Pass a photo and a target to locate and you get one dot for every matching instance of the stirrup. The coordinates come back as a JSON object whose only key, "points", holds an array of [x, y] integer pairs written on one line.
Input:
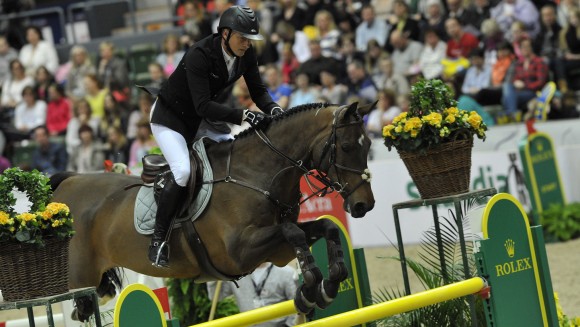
{"points": [[158, 255]]}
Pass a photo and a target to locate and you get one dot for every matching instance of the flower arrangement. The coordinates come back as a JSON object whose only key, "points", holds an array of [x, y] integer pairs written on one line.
{"points": [[43, 220], [433, 118]]}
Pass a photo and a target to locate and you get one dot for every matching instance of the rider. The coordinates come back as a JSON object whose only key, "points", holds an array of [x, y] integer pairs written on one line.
{"points": [[188, 97]]}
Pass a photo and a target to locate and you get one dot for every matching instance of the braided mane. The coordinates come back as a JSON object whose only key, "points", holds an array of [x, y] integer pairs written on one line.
{"points": [[287, 113]]}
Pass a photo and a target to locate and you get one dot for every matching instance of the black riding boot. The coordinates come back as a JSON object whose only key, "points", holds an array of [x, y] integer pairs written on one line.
{"points": [[170, 201]]}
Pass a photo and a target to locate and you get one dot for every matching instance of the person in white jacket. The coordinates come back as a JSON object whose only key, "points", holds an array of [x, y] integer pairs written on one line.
{"points": [[37, 52]]}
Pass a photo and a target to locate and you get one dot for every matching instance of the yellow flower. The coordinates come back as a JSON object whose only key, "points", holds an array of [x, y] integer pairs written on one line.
{"points": [[46, 215], [400, 117], [413, 123], [434, 119], [444, 131], [452, 111], [474, 120], [12, 229], [414, 132], [387, 130], [56, 223], [450, 118], [4, 218], [26, 216], [399, 129], [56, 207]]}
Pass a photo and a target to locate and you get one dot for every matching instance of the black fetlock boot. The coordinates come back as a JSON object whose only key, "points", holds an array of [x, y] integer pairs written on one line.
{"points": [[170, 201]]}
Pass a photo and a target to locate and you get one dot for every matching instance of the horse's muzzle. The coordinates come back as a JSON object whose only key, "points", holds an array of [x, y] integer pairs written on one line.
{"points": [[359, 209]]}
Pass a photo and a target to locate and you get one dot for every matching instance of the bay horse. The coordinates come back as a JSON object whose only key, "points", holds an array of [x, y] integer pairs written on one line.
{"points": [[252, 215]]}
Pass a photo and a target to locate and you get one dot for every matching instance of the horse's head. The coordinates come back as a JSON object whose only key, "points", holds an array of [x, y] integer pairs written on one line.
{"points": [[343, 158]]}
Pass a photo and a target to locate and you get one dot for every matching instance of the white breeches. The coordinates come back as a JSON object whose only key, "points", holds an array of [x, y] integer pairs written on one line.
{"points": [[174, 148]]}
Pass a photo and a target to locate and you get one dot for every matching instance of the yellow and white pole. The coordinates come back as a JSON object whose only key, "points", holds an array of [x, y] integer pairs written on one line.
{"points": [[253, 317]]}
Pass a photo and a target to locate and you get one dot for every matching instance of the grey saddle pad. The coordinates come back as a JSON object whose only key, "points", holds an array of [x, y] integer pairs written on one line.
{"points": [[146, 208]]}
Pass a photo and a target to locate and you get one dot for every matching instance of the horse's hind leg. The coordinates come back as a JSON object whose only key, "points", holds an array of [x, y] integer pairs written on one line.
{"points": [[337, 271]]}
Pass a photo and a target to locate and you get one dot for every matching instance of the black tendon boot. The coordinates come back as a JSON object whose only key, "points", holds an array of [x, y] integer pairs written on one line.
{"points": [[170, 201]]}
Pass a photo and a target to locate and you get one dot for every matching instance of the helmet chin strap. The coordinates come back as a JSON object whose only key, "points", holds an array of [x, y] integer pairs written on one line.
{"points": [[228, 48]]}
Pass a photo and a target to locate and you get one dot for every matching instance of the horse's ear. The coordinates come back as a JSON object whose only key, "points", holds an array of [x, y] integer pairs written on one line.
{"points": [[351, 110], [364, 110]]}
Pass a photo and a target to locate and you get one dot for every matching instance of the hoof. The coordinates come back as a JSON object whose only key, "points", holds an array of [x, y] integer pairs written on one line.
{"points": [[301, 303], [325, 297], [338, 271]]}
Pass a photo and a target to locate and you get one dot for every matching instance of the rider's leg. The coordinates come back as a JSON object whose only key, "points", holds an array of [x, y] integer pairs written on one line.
{"points": [[175, 151]]}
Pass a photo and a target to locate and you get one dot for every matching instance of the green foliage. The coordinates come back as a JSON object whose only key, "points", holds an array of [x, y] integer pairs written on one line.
{"points": [[44, 220], [562, 222], [190, 302], [430, 96], [429, 272]]}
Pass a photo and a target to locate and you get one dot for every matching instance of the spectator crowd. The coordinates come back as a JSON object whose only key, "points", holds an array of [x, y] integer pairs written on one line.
{"points": [[490, 52]]}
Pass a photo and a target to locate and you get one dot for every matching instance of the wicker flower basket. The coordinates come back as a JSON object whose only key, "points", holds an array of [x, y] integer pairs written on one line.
{"points": [[28, 271], [442, 171]]}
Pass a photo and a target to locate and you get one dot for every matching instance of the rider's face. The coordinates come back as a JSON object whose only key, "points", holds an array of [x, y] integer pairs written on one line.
{"points": [[239, 44]]}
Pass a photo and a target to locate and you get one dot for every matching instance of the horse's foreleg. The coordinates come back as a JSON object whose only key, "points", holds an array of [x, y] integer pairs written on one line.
{"points": [[306, 295], [337, 271]]}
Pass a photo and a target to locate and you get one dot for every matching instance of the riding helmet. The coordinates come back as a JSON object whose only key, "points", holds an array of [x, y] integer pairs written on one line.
{"points": [[242, 20]]}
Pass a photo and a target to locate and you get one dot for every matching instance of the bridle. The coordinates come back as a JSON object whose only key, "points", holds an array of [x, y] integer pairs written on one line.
{"points": [[329, 185]]}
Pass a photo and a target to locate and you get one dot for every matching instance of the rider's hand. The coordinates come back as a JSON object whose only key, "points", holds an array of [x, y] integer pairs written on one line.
{"points": [[256, 118], [276, 111]]}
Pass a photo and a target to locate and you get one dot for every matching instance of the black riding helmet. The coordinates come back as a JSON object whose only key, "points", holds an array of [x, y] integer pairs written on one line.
{"points": [[242, 20]]}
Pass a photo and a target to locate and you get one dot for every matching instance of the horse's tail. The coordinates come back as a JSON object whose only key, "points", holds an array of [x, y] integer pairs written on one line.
{"points": [[111, 281], [57, 178]]}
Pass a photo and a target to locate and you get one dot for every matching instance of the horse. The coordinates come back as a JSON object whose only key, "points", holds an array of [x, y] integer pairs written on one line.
{"points": [[251, 217]]}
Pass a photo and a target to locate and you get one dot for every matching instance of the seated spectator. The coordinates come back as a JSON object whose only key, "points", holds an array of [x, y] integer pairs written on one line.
{"points": [[460, 43], [492, 37], [142, 113], [156, 74], [114, 116], [327, 33], [266, 285], [332, 92], [456, 9], [509, 11], [30, 113], [406, 54], [291, 13], [289, 63], [112, 71], [565, 9], [317, 63], [95, 95], [88, 156], [479, 11], [359, 83], [478, 75], [570, 43], [434, 20], [531, 74], [501, 71], [431, 56], [116, 146], [58, 110], [80, 67], [285, 33], [14, 85], [518, 33], [304, 93], [373, 56], [49, 157], [402, 22], [347, 51], [43, 79], [142, 144], [7, 54], [386, 111], [171, 55], [82, 116], [280, 92], [547, 45], [196, 22], [388, 79], [37, 52]]}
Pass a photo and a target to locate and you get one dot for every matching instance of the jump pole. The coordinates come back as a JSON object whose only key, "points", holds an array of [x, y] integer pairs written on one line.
{"points": [[357, 316], [255, 316], [403, 304]]}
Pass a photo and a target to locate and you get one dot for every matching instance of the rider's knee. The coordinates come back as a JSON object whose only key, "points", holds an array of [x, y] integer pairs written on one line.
{"points": [[181, 174]]}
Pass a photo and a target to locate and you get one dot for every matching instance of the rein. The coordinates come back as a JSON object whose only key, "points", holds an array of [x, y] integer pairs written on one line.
{"points": [[329, 185]]}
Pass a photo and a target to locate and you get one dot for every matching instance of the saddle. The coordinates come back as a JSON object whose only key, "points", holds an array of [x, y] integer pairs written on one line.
{"points": [[156, 170]]}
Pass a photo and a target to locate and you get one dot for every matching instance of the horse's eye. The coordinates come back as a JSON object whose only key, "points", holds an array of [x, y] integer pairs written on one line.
{"points": [[346, 147]]}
